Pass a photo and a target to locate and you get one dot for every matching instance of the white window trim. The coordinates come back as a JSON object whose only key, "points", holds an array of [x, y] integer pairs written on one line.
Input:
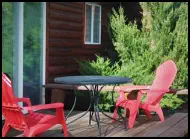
{"points": [[92, 25]]}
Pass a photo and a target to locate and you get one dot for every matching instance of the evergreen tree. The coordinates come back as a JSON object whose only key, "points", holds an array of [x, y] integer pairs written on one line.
{"points": [[163, 36]]}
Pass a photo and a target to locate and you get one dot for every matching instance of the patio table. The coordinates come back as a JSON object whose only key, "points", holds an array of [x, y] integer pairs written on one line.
{"points": [[94, 85]]}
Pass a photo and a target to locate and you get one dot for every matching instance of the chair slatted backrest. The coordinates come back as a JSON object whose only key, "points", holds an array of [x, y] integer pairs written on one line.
{"points": [[10, 108], [165, 75]]}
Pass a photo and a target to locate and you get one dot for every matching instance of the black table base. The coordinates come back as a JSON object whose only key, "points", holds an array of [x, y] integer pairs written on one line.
{"points": [[93, 108], [94, 92]]}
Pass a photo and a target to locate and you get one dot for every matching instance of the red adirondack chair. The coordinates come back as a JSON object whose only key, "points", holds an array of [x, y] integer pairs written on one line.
{"points": [[32, 124], [165, 75]]}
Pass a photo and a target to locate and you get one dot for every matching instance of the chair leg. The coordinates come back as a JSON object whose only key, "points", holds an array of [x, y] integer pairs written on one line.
{"points": [[64, 129], [5, 129], [28, 133], [115, 115], [132, 118], [61, 115], [160, 113], [64, 126], [148, 114]]}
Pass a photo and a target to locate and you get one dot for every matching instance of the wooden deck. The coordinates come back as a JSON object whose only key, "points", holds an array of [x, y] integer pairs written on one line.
{"points": [[175, 125]]}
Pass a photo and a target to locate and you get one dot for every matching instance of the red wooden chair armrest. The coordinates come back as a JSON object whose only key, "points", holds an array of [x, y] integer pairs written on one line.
{"points": [[143, 88], [134, 87], [160, 90], [45, 106], [27, 101]]}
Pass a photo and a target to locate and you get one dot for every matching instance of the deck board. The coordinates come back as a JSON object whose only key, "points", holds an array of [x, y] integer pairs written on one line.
{"points": [[143, 127], [180, 129], [161, 127]]}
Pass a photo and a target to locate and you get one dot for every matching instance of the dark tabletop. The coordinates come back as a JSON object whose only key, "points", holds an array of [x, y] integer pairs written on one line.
{"points": [[92, 80]]}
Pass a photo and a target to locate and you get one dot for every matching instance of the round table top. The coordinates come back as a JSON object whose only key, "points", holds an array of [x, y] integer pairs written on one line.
{"points": [[92, 80]]}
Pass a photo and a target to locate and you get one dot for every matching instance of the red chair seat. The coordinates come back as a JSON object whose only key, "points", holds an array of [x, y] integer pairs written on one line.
{"points": [[165, 75], [35, 119], [32, 124]]}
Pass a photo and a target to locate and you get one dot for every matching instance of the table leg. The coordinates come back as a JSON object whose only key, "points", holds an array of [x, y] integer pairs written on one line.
{"points": [[73, 105], [120, 115], [96, 109], [91, 112], [90, 105], [90, 116], [97, 118], [95, 102]]}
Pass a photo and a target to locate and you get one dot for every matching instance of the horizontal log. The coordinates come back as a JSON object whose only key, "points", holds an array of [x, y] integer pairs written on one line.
{"points": [[179, 91], [64, 8], [65, 26], [79, 5], [56, 61], [73, 52], [64, 16], [64, 43], [78, 87], [52, 77], [62, 69], [65, 34], [105, 88], [92, 46], [110, 88]]}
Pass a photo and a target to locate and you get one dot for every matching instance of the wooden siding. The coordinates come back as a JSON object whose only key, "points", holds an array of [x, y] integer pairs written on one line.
{"points": [[65, 38], [65, 29]]}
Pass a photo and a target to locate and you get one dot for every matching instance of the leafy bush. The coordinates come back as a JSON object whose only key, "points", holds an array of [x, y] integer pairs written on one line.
{"points": [[104, 67], [101, 66], [141, 52], [163, 36]]}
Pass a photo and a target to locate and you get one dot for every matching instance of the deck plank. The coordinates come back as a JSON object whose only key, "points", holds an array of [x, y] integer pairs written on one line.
{"points": [[175, 125], [161, 127], [178, 130]]}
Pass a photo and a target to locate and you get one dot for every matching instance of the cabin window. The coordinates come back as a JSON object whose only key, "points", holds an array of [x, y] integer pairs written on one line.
{"points": [[92, 24]]}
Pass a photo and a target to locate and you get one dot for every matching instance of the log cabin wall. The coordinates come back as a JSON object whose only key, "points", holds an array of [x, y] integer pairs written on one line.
{"points": [[65, 38], [65, 28]]}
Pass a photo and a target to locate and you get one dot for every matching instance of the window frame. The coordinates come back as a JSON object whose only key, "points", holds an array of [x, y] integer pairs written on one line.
{"points": [[92, 24]]}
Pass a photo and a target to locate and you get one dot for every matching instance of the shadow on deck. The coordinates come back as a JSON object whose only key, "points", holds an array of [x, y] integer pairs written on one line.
{"points": [[175, 125]]}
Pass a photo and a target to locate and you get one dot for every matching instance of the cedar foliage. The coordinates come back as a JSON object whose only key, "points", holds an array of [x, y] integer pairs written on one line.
{"points": [[163, 36]]}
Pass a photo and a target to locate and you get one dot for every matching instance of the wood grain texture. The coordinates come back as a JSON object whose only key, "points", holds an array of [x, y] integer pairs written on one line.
{"points": [[63, 25], [64, 8], [161, 127], [56, 15], [65, 36], [56, 61], [64, 45], [81, 128], [73, 52], [178, 130]]}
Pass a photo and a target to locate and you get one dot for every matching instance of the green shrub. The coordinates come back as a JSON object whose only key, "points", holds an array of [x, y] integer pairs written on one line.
{"points": [[104, 67], [141, 52], [163, 36], [101, 66]]}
